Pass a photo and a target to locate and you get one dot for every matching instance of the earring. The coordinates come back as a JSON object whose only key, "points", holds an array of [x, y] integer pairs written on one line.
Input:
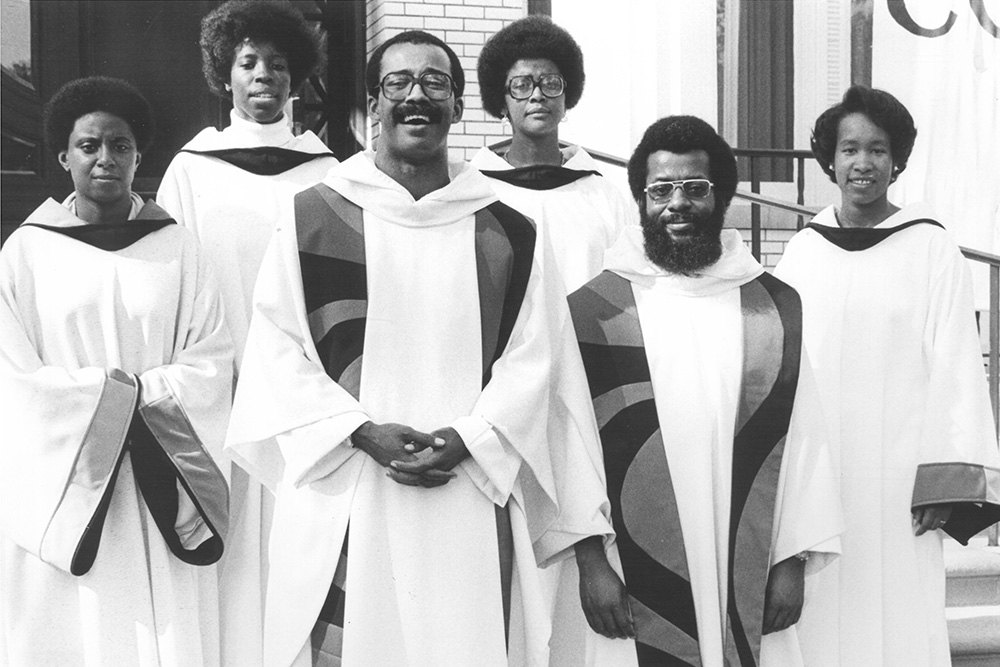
{"points": [[229, 88], [565, 117], [504, 121]]}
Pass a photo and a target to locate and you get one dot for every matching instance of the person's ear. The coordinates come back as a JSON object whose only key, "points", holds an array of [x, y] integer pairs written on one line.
{"points": [[373, 108], [458, 109], [63, 158], [138, 158]]}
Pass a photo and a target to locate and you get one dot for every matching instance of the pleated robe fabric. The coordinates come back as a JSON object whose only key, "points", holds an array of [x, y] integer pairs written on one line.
{"points": [[580, 219], [715, 469], [891, 334], [225, 186], [422, 580], [92, 569], [580, 214]]}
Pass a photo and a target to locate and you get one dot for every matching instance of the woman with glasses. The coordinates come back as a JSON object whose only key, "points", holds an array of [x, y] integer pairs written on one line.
{"points": [[115, 377], [530, 73], [889, 326], [226, 186]]}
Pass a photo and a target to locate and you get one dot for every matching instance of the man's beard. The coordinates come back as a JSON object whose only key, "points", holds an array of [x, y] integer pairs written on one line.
{"points": [[701, 247]]}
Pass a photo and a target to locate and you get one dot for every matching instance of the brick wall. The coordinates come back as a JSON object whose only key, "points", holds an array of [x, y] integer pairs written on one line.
{"points": [[464, 25]]}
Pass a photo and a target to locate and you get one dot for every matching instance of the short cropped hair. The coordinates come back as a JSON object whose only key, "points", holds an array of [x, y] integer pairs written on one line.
{"points": [[684, 134], [528, 38], [880, 108], [261, 22], [97, 93], [374, 68]]}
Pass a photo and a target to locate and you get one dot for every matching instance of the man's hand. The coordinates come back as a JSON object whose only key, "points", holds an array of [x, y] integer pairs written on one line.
{"points": [[930, 517], [784, 595], [426, 463], [602, 593], [387, 443]]}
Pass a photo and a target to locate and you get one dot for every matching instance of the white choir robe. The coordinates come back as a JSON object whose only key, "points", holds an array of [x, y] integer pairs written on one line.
{"points": [[580, 220], [693, 330], [73, 316], [891, 334], [233, 212], [422, 367]]}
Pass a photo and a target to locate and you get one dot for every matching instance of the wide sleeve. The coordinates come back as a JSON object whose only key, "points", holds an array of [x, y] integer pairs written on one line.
{"points": [[532, 434], [290, 420], [183, 413], [70, 429], [959, 461], [807, 516]]}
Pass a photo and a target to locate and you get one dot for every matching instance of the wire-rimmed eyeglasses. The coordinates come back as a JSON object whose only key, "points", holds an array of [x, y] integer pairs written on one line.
{"points": [[693, 188], [397, 85], [521, 87]]}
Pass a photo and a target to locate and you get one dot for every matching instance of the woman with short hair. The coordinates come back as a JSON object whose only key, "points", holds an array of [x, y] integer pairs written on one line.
{"points": [[228, 187], [115, 376], [530, 73], [888, 324]]}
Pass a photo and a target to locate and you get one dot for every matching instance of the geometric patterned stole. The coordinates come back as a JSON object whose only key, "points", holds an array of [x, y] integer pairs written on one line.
{"points": [[643, 506], [332, 258], [331, 241]]}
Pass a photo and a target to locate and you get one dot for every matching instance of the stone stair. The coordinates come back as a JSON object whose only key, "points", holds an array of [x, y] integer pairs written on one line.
{"points": [[973, 602]]}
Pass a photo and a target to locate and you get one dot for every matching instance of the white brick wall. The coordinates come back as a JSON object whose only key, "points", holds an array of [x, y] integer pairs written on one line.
{"points": [[464, 25]]}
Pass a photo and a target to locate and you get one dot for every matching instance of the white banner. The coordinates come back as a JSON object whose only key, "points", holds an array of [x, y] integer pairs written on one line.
{"points": [[942, 60]]}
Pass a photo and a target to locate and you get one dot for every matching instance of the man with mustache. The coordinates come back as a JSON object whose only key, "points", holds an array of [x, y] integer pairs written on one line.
{"points": [[395, 392], [722, 497]]}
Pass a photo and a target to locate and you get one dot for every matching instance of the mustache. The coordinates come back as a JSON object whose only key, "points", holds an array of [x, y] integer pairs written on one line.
{"points": [[400, 113]]}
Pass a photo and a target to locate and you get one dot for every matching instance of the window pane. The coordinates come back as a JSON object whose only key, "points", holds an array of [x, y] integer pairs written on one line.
{"points": [[15, 35]]}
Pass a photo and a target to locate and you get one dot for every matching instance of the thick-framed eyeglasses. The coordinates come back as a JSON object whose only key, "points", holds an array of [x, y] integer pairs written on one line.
{"points": [[397, 85], [693, 188], [521, 87]]}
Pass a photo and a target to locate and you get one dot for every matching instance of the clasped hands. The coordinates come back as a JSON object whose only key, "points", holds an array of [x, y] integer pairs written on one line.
{"points": [[412, 457]]}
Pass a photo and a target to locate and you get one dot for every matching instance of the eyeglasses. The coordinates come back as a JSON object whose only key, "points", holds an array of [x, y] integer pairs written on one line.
{"points": [[397, 85], [694, 188], [521, 87]]}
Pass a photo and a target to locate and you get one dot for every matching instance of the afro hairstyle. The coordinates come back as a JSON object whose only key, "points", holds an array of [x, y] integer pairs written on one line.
{"points": [[374, 68], [684, 134], [880, 108], [260, 22], [97, 93], [528, 38]]}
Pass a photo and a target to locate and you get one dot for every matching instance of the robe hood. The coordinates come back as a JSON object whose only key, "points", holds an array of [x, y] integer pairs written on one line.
{"points": [[574, 157], [735, 267], [828, 216], [245, 134], [361, 182]]}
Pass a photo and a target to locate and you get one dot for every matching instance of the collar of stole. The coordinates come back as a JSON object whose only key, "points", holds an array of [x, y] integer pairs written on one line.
{"points": [[261, 160], [114, 236], [854, 239], [332, 260], [644, 508], [540, 177]]}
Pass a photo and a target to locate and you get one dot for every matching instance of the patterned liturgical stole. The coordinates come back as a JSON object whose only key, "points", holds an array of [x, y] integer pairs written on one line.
{"points": [[643, 505], [332, 258]]}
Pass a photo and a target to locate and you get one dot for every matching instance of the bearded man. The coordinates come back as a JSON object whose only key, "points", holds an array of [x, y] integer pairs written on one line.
{"points": [[721, 493], [395, 393]]}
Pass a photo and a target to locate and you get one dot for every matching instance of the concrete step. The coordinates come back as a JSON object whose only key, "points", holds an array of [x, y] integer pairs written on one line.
{"points": [[973, 574], [973, 602], [974, 635]]}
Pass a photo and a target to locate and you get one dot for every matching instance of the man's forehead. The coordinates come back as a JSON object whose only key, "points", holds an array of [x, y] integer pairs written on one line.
{"points": [[415, 58], [667, 165]]}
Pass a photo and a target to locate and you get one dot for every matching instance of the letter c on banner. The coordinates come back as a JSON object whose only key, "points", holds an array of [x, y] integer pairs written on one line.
{"points": [[979, 9], [898, 11]]}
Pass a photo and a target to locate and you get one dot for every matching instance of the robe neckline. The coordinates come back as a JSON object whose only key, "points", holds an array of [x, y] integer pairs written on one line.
{"points": [[735, 267], [359, 181]]}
